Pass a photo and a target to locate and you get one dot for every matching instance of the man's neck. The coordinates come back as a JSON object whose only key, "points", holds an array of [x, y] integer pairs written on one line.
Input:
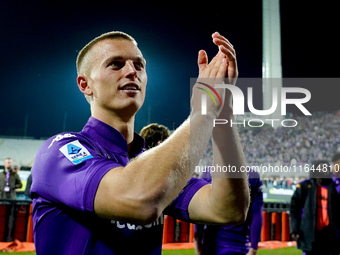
{"points": [[124, 126]]}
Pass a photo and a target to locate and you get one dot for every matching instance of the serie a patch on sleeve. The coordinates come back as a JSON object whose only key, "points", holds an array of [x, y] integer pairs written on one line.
{"points": [[75, 152]]}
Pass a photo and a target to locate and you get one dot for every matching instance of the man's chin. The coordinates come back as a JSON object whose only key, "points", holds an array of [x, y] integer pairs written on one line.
{"points": [[129, 110]]}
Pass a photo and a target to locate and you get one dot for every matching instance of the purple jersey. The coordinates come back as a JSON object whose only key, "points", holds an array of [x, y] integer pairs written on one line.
{"points": [[66, 173], [234, 239]]}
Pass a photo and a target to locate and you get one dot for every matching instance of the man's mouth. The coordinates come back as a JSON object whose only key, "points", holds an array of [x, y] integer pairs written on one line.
{"points": [[129, 87]]}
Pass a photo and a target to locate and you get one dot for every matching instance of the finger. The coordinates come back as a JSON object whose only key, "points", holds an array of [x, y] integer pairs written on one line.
{"points": [[202, 60], [217, 35], [216, 64], [206, 72], [226, 44], [231, 61], [222, 71], [220, 42]]}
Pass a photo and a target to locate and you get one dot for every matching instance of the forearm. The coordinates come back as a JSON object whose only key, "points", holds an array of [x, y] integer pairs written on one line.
{"points": [[226, 199], [230, 189]]}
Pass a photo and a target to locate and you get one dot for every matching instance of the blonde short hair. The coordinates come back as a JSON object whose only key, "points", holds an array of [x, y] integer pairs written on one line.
{"points": [[114, 35]]}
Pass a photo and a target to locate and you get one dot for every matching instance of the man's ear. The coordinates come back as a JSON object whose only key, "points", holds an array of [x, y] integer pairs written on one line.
{"points": [[83, 85]]}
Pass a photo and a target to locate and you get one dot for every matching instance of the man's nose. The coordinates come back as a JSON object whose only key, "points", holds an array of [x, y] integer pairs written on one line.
{"points": [[130, 69]]}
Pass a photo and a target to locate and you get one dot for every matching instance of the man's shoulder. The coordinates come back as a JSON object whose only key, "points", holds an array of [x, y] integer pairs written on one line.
{"points": [[305, 184], [61, 138], [69, 144]]}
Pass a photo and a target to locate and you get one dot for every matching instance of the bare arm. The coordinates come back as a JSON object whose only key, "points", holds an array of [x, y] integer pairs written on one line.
{"points": [[140, 191], [226, 200]]}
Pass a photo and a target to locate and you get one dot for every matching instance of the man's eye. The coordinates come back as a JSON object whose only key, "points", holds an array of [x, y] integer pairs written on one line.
{"points": [[116, 64], [139, 65]]}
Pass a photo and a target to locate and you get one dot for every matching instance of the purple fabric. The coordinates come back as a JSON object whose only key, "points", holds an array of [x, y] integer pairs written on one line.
{"points": [[67, 171], [233, 239], [256, 210], [7, 177], [179, 207]]}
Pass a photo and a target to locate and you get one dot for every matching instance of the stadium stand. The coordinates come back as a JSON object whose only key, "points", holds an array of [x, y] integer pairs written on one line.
{"points": [[21, 150], [315, 137]]}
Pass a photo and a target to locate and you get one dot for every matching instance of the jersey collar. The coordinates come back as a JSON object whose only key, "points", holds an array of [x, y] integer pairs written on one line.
{"points": [[111, 139]]}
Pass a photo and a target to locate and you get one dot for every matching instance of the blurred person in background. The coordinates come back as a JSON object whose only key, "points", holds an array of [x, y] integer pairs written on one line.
{"points": [[9, 181], [154, 134], [314, 212], [233, 239], [16, 168]]}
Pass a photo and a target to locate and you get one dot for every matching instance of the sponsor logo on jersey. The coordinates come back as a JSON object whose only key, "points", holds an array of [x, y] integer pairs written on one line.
{"points": [[59, 137], [123, 225]]}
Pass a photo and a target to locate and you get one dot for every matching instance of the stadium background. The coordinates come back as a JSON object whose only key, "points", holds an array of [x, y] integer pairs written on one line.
{"points": [[40, 41]]}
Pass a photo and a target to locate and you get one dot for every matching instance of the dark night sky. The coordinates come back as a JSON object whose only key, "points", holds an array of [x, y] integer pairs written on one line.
{"points": [[40, 40]]}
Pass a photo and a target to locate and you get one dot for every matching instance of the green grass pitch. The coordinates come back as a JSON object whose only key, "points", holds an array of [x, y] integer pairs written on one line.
{"points": [[283, 251]]}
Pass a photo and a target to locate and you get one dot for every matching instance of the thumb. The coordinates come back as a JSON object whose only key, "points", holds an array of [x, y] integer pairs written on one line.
{"points": [[202, 60]]}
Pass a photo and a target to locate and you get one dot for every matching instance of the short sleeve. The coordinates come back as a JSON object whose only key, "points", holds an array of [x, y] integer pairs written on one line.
{"points": [[179, 207], [69, 171]]}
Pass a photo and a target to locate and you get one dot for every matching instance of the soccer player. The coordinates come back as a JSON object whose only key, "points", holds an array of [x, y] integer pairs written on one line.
{"points": [[95, 192]]}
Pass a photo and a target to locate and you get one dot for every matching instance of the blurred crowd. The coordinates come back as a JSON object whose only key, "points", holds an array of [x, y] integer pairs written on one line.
{"points": [[315, 137], [281, 183]]}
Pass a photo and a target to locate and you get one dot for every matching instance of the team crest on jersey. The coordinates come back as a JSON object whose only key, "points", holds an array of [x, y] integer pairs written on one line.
{"points": [[75, 152]]}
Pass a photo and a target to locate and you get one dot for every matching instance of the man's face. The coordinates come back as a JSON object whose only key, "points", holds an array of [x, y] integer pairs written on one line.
{"points": [[8, 163], [117, 78]]}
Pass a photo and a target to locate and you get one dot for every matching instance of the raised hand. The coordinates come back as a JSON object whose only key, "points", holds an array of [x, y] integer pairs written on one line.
{"points": [[222, 66], [209, 74], [228, 49]]}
